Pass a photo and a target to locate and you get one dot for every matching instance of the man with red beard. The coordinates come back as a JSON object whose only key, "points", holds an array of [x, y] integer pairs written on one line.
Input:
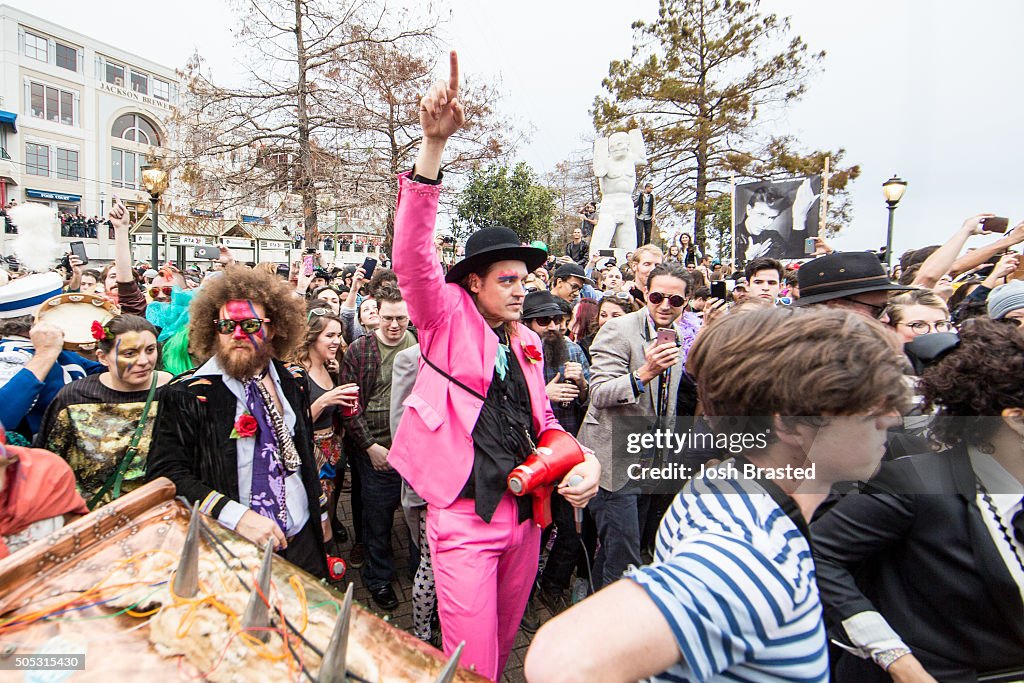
{"points": [[235, 435]]}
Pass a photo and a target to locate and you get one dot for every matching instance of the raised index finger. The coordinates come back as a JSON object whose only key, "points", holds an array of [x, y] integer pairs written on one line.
{"points": [[453, 79]]}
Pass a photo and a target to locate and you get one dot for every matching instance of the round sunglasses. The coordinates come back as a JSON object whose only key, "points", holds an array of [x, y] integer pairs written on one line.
{"points": [[249, 325], [675, 301]]}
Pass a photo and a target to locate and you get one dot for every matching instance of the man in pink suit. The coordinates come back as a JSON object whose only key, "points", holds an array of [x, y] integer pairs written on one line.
{"points": [[476, 410]]}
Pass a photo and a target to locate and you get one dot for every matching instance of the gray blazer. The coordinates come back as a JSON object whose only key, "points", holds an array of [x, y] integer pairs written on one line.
{"points": [[403, 377], [617, 351]]}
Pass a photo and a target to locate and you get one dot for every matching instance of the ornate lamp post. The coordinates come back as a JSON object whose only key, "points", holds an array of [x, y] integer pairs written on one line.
{"points": [[154, 179], [893, 189]]}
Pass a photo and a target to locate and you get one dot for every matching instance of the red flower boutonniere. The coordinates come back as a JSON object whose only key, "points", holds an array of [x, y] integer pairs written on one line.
{"points": [[532, 353], [245, 426]]}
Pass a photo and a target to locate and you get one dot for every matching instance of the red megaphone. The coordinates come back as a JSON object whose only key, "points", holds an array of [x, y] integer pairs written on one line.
{"points": [[556, 453]]}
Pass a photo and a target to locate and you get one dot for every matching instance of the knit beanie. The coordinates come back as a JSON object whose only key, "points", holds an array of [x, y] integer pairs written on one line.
{"points": [[1006, 298]]}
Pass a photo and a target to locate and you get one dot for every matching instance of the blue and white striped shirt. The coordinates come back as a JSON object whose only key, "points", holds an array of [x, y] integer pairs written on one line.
{"points": [[734, 578]]}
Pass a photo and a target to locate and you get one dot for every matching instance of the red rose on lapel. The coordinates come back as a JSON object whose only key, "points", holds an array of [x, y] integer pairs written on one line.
{"points": [[532, 353], [245, 426]]}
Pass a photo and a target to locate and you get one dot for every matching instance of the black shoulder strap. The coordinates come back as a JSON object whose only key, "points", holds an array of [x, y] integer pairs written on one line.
{"points": [[449, 377]]}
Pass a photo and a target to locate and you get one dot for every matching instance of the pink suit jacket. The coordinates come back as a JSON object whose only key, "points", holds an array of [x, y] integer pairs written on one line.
{"points": [[433, 447]]}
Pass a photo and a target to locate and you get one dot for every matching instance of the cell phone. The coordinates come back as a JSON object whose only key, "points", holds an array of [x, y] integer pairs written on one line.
{"points": [[283, 270], [718, 290], [809, 246], [606, 252], [307, 264], [666, 336], [207, 253], [995, 224], [369, 265], [78, 249]]}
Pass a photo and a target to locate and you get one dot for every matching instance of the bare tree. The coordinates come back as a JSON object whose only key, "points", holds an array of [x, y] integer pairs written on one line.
{"points": [[280, 140], [379, 92], [573, 184]]}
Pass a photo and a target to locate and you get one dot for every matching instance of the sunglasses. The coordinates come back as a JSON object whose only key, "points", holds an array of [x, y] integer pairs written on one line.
{"points": [[154, 292], [318, 312], [249, 325], [675, 301], [546, 320]]}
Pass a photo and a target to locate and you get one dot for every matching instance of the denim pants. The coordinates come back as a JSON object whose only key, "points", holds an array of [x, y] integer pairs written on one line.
{"points": [[618, 515], [381, 494], [643, 231]]}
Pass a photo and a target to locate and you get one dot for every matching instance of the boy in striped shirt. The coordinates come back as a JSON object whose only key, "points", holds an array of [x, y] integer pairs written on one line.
{"points": [[731, 594]]}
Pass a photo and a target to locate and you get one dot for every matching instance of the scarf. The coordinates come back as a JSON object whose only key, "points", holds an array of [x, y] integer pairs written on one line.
{"points": [[274, 454]]}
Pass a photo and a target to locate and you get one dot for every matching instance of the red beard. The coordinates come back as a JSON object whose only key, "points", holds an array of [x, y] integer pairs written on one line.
{"points": [[248, 361]]}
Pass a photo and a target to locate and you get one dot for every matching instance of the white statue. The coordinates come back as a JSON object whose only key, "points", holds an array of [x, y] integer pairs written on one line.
{"points": [[615, 160]]}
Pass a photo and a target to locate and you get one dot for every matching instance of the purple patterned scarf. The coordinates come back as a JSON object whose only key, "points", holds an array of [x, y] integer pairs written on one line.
{"points": [[267, 496]]}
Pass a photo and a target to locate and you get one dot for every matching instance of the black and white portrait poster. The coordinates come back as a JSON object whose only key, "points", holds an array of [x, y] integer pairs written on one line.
{"points": [[774, 218]]}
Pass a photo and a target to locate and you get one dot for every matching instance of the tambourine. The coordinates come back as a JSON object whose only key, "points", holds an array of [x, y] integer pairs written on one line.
{"points": [[74, 313]]}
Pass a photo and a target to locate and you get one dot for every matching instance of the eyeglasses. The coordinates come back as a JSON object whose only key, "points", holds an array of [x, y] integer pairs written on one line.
{"points": [[154, 292], [675, 301], [921, 327], [877, 310], [400, 319], [546, 320], [249, 325], [318, 312]]}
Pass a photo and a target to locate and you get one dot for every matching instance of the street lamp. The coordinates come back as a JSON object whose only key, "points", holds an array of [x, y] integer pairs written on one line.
{"points": [[893, 189], [154, 179]]}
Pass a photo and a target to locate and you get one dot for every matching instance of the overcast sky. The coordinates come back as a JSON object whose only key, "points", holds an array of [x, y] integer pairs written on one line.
{"points": [[928, 89]]}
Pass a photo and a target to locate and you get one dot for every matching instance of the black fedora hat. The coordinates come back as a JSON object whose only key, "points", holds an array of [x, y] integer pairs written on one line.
{"points": [[493, 244], [540, 304], [843, 274]]}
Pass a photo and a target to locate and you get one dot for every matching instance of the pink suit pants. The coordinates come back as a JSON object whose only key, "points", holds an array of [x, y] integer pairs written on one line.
{"points": [[483, 574]]}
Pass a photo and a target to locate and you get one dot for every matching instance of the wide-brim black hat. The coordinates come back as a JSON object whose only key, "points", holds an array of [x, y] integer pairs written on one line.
{"points": [[493, 244], [843, 274]]}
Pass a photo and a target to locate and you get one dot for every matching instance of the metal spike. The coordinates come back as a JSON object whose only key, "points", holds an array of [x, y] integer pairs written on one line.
{"points": [[186, 578], [332, 668], [447, 674], [257, 614]]}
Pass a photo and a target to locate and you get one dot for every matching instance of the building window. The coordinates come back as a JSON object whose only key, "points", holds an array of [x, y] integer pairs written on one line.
{"points": [[136, 128], [161, 89], [37, 159], [115, 74], [67, 57], [140, 83], [66, 165], [124, 168], [36, 47], [52, 104]]}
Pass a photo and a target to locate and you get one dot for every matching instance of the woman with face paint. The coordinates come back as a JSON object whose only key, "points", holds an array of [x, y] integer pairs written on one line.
{"points": [[93, 422], [319, 348]]}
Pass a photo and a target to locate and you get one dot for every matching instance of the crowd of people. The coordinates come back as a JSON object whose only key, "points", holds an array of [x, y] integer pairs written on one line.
{"points": [[258, 390]]}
